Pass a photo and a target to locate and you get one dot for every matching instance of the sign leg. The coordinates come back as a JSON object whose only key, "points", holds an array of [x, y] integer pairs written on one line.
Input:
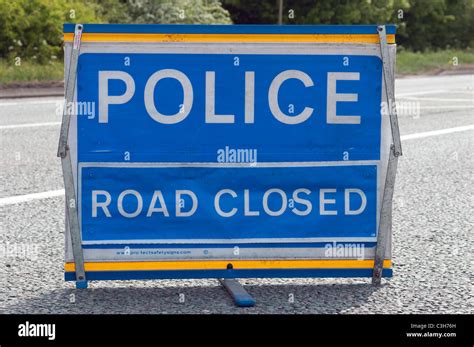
{"points": [[385, 224], [66, 164]]}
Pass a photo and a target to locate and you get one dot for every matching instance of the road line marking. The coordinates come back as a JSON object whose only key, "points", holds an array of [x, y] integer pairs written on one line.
{"points": [[445, 107], [29, 197], [437, 132], [433, 99], [438, 91], [461, 92], [28, 125], [55, 193], [19, 103]]}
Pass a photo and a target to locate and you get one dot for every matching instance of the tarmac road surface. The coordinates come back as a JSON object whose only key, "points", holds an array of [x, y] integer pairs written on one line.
{"points": [[433, 224]]}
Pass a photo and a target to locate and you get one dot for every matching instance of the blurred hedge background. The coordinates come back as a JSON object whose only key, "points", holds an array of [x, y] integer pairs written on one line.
{"points": [[422, 24], [31, 30]]}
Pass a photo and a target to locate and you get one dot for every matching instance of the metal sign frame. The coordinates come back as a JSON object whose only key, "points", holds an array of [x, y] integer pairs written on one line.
{"points": [[72, 204], [72, 216], [385, 226]]}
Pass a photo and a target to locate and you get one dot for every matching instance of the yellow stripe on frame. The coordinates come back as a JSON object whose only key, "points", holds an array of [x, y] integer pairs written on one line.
{"points": [[222, 264], [205, 38]]}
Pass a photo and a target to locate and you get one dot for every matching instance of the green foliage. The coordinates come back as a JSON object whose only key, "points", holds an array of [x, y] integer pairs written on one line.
{"points": [[252, 12], [427, 21], [417, 62], [33, 28], [177, 11], [30, 72], [314, 12], [421, 24], [460, 30], [112, 11]]}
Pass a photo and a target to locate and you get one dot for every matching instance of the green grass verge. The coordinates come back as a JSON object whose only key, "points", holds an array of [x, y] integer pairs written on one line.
{"points": [[407, 63], [30, 72], [418, 63]]}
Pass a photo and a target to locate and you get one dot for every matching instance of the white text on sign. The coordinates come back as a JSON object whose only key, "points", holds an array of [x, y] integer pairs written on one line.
{"points": [[296, 201], [211, 117]]}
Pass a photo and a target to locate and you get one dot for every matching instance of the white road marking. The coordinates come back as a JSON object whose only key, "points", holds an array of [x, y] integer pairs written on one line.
{"points": [[433, 99], [437, 132], [29, 197], [33, 102], [426, 92], [28, 125], [55, 193], [445, 106], [462, 92]]}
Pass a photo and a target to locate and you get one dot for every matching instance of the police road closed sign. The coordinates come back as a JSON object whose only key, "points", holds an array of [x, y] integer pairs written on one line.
{"points": [[199, 147]]}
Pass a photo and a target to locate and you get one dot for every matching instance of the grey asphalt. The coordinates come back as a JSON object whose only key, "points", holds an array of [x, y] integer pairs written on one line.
{"points": [[433, 226]]}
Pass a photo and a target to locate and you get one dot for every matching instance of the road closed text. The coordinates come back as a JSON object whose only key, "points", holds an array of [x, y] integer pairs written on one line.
{"points": [[203, 202], [273, 202]]}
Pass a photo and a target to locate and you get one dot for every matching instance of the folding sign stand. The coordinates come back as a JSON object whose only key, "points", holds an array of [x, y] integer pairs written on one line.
{"points": [[235, 289], [385, 224], [66, 163]]}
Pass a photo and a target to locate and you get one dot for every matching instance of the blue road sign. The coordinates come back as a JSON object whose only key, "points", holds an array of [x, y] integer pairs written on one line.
{"points": [[186, 107], [258, 145]]}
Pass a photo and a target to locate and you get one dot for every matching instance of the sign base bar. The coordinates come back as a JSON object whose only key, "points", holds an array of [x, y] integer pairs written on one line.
{"points": [[239, 294]]}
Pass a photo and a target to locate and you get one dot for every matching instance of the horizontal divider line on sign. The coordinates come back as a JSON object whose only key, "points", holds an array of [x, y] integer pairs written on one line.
{"points": [[223, 38], [222, 264]]}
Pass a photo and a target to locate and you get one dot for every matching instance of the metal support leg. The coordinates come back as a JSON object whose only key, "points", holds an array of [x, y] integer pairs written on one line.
{"points": [[239, 294], [385, 222], [73, 221], [66, 164], [390, 90]]}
